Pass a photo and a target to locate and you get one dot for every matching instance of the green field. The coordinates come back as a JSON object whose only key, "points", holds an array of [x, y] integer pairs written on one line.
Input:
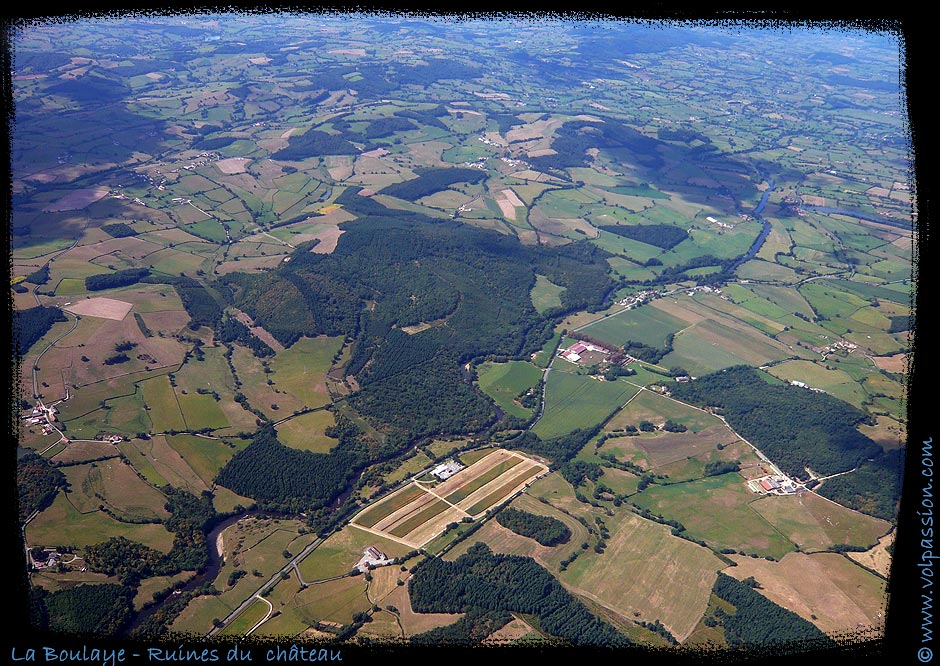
{"points": [[579, 401], [657, 408], [717, 509], [503, 382], [163, 408], [545, 294], [245, 621], [206, 456], [62, 525], [645, 324], [202, 411], [307, 432], [342, 550], [544, 356], [301, 370]]}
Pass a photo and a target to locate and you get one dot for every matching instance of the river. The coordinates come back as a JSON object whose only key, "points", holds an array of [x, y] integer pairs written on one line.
{"points": [[759, 241], [208, 575], [904, 224]]}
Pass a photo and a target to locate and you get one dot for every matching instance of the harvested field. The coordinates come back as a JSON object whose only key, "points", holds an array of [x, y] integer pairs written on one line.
{"points": [[666, 447], [826, 589], [503, 540], [717, 509], [233, 165], [81, 451], [510, 633], [896, 363], [77, 200], [877, 558], [648, 571], [101, 307], [328, 239]]}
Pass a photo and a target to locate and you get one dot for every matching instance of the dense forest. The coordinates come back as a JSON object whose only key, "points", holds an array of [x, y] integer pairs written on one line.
{"points": [[797, 428], [314, 143], [546, 530], [118, 230], [201, 307], [285, 479], [30, 325], [665, 236], [390, 271], [430, 181], [759, 622], [122, 278], [87, 610], [575, 137], [481, 579], [37, 483]]}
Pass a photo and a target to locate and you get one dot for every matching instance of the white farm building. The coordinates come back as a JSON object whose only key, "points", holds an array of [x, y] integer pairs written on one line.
{"points": [[446, 470]]}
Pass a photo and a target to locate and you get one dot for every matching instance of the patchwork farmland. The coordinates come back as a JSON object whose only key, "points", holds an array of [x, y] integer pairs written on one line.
{"points": [[422, 509]]}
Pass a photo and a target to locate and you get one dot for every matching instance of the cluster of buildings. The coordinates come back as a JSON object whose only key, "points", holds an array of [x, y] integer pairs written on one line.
{"points": [[446, 470], [723, 225], [372, 557], [841, 345], [804, 385], [776, 484], [580, 349]]}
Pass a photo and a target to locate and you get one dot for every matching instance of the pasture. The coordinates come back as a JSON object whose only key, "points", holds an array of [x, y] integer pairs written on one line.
{"points": [[546, 294], [114, 484], [342, 550], [61, 524], [814, 523], [307, 432], [657, 409], [245, 621], [717, 510], [160, 464], [645, 324]]}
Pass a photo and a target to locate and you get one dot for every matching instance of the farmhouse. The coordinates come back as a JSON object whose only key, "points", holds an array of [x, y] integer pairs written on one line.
{"points": [[372, 557], [446, 470]]}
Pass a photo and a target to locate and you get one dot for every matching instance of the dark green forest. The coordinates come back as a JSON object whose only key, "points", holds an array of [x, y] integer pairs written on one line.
{"points": [[663, 236], [37, 483], [30, 325], [430, 181], [546, 530], [391, 271]]}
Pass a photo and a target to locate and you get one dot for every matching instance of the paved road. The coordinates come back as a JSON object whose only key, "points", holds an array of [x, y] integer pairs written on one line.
{"points": [[292, 564]]}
